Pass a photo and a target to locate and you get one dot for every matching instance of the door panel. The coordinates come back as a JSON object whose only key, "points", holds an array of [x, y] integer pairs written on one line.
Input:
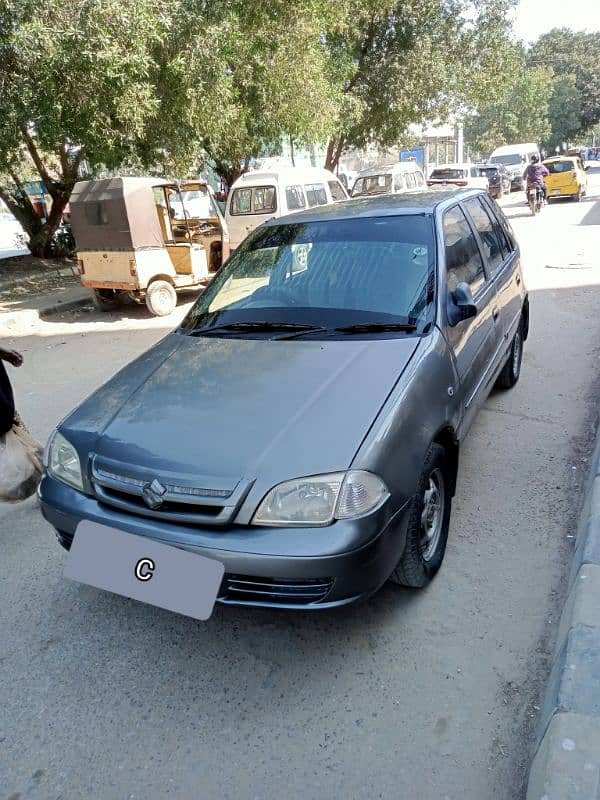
{"points": [[475, 342]]}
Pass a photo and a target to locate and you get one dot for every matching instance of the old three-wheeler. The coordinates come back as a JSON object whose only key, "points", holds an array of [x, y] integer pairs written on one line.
{"points": [[142, 239]]}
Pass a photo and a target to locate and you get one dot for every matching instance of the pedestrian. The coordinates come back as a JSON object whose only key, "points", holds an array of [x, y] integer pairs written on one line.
{"points": [[7, 400], [20, 453]]}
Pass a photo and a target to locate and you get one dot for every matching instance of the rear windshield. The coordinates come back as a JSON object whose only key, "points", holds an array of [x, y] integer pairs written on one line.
{"points": [[509, 158], [489, 172], [254, 200], [448, 174], [328, 273], [372, 184], [556, 167]]}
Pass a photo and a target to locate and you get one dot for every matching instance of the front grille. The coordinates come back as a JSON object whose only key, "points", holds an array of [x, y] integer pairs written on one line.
{"points": [[248, 589], [123, 487]]}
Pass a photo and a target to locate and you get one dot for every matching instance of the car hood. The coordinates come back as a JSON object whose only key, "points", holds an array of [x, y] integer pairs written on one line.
{"points": [[233, 408]]}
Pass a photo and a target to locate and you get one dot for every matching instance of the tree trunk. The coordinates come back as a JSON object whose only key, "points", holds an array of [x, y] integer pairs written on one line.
{"points": [[335, 148], [40, 242]]}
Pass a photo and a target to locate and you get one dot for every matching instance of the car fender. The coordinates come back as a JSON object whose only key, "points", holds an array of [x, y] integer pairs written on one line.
{"points": [[424, 402]]}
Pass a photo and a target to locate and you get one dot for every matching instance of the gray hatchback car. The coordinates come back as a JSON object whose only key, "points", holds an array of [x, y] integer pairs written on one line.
{"points": [[303, 425]]}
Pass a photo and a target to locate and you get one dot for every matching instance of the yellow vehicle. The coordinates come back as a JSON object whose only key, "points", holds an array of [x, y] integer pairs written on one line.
{"points": [[567, 177], [143, 239]]}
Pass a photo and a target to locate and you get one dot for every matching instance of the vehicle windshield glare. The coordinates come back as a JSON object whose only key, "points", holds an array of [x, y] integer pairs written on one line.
{"points": [[508, 159], [327, 273], [372, 184]]}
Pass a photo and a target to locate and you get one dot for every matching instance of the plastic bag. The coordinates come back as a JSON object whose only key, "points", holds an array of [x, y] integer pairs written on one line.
{"points": [[20, 464]]}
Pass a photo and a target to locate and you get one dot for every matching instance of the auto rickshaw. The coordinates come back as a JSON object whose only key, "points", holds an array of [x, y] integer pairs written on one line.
{"points": [[137, 240]]}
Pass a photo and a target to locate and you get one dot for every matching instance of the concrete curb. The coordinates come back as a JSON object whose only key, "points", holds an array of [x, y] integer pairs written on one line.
{"points": [[68, 305], [566, 765], [42, 308]]}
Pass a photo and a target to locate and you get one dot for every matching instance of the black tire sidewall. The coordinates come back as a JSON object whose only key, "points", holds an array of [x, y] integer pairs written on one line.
{"points": [[412, 568]]}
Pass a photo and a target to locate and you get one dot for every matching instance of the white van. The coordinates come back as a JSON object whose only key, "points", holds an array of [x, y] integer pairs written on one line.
{"points": [[403, 176], [464, 175], [515, 158], [259, 196]]}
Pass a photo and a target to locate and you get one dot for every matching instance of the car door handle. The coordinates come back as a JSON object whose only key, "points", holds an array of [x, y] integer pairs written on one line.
{"points": [[496, 313]]}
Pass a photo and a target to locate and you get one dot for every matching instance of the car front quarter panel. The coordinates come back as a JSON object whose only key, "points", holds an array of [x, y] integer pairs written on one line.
{"points": [[424, 403]]}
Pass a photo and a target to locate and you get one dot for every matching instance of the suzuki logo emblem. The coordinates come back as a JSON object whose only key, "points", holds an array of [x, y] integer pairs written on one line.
{"points": [[153, 494]]}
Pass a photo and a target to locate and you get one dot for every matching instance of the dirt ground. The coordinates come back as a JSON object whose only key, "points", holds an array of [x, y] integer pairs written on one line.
{"points": [[22, 276]]}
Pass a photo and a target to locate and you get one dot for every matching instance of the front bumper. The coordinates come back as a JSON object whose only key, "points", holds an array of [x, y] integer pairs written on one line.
{"points": [[291, 568]]}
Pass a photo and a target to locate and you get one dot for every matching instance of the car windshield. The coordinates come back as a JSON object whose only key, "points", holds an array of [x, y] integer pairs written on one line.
{"points": [[328, 273], [489, 172], [556, 167], [509, 158], [372, 184], [448, 174]]}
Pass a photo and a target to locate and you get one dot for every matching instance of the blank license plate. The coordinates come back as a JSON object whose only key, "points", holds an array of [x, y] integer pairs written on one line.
{"points": [[555, 191], [143, 569]]}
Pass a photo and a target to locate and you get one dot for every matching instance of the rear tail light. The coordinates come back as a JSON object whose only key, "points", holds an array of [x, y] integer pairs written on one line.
{"points": [[461, 183], [430, 183], [132, 267], [80, 267]]}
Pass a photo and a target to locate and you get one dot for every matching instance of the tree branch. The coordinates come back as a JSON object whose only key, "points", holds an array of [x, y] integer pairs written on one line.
{"points": [[366, 46], [39, 164]]}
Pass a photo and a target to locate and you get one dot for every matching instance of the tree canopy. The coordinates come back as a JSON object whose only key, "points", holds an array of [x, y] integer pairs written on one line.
{"points": [[518, 110]]}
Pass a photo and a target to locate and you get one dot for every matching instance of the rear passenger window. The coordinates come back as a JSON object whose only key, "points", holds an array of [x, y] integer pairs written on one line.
{"points": [[463, 259], [411, 182], [398, 183], [294, 197], [485, 228], [475, 172], [337, 191], [316, 194], [507, 230]]}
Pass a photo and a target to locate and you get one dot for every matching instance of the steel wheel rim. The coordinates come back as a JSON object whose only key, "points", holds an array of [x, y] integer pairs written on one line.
{"points": [[432, 515], [516, 355], [162, 298]]}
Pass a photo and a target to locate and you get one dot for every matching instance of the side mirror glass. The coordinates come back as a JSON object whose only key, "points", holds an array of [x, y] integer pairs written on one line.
{"points": [[461, 305]]}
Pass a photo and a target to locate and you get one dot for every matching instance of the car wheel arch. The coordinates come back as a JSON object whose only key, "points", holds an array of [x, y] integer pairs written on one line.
{"points": [[446, 438]]}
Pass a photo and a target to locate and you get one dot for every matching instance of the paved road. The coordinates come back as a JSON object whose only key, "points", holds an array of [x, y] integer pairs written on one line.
{"points": [[426, 695]]}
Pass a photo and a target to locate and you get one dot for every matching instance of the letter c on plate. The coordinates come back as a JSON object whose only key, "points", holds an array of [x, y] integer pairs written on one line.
{"points": [[144, 569]]}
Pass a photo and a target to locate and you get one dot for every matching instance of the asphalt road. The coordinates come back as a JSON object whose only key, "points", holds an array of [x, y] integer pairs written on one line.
{"points": [[426, 695]]}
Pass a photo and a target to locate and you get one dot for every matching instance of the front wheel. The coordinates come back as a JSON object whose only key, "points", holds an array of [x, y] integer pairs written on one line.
{"points": [[429, 520], [161, 298]]}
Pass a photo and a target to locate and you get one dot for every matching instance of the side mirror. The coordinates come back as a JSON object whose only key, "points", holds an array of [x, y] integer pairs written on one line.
{"points": [[461, 305]]}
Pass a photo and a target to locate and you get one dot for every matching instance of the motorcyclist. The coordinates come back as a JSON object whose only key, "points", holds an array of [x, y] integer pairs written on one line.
{"points": [[535, 173]]}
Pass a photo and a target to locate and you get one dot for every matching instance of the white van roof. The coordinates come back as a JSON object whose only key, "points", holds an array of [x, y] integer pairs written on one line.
{"points": [[289, 175], [455, 165], [389, 169], [507, 149]]}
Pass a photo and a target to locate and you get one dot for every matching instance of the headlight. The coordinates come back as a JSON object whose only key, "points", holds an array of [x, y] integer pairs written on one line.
{"points": [[321, 499], [63, 462]]}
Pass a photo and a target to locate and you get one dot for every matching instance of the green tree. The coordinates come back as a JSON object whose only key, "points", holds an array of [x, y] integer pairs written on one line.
{"points": [[402, 62], [576, 54], [518, 110], [564, 111]]}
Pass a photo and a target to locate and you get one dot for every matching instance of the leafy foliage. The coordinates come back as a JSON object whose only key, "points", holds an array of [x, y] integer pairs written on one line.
{"points": [[576, 54], [518, 110]]}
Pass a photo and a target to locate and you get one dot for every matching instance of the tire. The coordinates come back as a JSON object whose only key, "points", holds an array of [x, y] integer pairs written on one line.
{"points": [[105, 299], [424, 552], [511, 371], [161, 298]]}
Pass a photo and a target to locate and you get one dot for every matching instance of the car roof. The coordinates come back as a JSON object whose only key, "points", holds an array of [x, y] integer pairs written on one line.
{"points": [[455, 165], [560, 158], [386, 205], [389, 169], [284, 173]]}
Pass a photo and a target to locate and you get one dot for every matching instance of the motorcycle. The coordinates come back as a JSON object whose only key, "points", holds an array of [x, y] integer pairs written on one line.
{"points": [[535, 198]]}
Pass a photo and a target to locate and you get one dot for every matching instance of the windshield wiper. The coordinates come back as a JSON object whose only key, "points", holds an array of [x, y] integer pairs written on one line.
{"points": [[258, 325], [376, 327]]}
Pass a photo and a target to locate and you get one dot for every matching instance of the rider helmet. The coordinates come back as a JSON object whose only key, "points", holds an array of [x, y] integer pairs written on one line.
{"points": [[534, 159]]}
